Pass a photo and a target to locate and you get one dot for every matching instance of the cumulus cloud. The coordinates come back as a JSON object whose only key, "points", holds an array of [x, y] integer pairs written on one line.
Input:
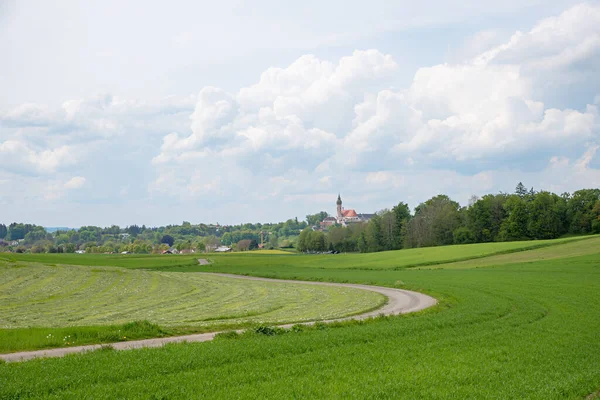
{"points": [[529, 100], [75, 182], [336, 118], [20, 156]]}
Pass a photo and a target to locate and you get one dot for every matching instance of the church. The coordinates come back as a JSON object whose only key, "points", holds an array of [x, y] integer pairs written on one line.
{"points": [[345, 217]]}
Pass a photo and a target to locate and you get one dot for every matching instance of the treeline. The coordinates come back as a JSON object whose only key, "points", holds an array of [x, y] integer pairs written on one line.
{"points": [[523, 215], [141, 239]]}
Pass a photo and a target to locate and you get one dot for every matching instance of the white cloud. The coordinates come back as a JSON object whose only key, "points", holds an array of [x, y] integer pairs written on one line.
{"points": [[334, 120], [20, 156], [75, 182]]}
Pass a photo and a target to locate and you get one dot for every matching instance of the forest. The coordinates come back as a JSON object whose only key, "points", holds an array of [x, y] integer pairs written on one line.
{"points": [[522, 215]]}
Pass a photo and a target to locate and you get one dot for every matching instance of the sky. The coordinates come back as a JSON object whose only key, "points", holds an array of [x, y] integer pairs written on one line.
{"points": [[147, 112]]}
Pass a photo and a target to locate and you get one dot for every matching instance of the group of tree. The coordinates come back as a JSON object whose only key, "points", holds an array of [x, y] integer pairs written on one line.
{"points": [[523, 215], [141, 239]]}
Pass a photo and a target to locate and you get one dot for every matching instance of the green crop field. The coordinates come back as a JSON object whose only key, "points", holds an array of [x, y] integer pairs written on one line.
{"points": [[508, 326], [384, 260]]}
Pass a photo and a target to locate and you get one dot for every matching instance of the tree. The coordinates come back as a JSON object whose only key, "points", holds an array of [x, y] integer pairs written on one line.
{"points": [[434, 223], [402, 216], [485, 217], [521, 190], [515, 225], [253, 244], [579, 211], [3, 231], [596, 219], [310, 240], [168, 239], [303, 242], [315, 219], [273, 241], [544, 220], [389, 231], [463, 235], [374, 234], [243, 245]]}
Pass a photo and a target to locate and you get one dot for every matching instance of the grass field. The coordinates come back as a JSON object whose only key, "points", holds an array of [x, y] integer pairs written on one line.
{"points": [[42, 297], [373, 261], [274, 251], [522, 326]]}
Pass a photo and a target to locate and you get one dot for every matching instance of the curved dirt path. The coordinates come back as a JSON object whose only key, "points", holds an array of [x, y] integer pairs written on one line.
{"points": [[399, 302]]}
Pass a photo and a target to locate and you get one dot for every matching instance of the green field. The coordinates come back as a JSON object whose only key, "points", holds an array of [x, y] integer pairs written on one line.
{"points": [[40, 296], [375, 261], [511, 326]]}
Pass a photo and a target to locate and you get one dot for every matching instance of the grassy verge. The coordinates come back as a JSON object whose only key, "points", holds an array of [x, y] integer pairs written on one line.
{"points": [[21, 339]]}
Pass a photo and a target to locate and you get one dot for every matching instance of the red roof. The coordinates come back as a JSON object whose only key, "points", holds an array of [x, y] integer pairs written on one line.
{"points": [[349, 213]]}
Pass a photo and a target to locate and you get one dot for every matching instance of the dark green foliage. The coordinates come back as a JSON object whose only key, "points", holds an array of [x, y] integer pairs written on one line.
{"points": [[544, 216], [268, 330], [580, 210], [485, 217], [463, 235], [167, 239], [521, 190]]}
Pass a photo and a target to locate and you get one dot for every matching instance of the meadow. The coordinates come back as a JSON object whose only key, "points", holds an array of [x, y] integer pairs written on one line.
{"points": [[372, 261], [40, 301], [525, 325]]}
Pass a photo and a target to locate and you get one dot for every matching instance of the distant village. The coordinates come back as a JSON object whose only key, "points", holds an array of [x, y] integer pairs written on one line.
{"points": [[344, 216]]}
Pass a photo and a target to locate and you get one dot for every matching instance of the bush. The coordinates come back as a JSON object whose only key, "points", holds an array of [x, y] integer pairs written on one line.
{"points": [[268, 330], [463, 235]]}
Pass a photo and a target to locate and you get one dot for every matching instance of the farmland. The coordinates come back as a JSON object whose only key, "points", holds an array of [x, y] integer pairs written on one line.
{"points": [[518, 325], [42, 297]]}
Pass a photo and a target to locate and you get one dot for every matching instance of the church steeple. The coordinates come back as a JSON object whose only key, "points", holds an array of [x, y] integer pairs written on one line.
{"points": [[339, 200], [339, 209]]}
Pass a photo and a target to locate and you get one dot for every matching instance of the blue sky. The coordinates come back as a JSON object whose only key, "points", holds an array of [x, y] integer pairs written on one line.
{"points": [[155, 113]]}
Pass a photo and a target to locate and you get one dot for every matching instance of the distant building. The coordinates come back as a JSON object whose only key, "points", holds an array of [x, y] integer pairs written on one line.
{"points": [[223, 249], [345, 217], [327, 222], [172, 250]]}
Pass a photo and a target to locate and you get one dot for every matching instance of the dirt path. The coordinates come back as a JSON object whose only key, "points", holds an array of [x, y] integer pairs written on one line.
{"points": [[399, 302]]}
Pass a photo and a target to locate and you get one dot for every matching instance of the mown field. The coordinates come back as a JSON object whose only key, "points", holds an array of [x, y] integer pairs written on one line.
{"points": [[510, 328], [38, 300]]}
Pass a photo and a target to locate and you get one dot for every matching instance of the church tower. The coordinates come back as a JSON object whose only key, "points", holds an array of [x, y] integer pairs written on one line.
{"points": [[339, 209]]}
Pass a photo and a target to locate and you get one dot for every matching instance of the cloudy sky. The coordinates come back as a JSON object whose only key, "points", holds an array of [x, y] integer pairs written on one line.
{"points": [[153, 113]]}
